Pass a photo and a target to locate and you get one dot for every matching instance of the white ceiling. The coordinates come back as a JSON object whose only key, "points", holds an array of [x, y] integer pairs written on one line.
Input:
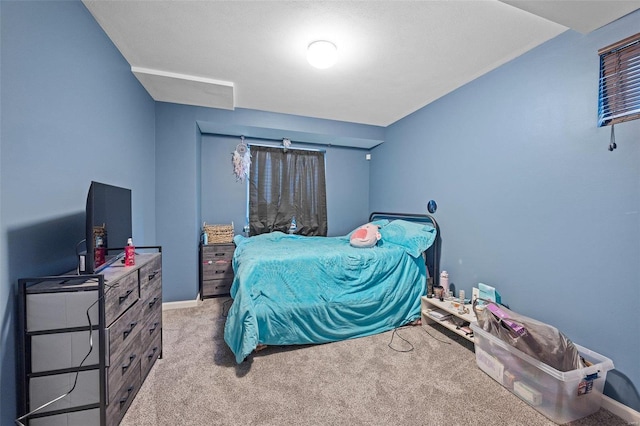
{"points": [[395, 56]]}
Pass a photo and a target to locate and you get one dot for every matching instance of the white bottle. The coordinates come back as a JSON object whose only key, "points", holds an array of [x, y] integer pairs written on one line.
{"points": [[444, 282]]}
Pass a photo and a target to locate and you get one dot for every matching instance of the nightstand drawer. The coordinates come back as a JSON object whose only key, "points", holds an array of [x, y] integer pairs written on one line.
{"points": [[216, 287], [217, 270], [218, 252]]}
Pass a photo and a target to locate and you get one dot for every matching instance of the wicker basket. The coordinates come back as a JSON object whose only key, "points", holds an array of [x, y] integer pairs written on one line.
{"points": [[218, 233]]}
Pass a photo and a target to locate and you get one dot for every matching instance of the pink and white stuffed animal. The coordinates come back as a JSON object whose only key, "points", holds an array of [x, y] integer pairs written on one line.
{"points": [[365, 236]]}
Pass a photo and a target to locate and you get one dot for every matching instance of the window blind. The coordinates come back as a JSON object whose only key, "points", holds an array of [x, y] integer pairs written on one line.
{"points": [[619, 91]]}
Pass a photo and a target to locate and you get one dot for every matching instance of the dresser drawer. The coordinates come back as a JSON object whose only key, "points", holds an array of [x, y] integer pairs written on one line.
{"points": [[150, 356], [123, 332], [119, 295], [123, 397], [151, 328], [120, 370], [150, 277], [153, 303]]}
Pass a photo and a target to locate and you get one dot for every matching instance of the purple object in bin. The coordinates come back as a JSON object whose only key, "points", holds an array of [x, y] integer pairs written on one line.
{"points": [[516, 328]]}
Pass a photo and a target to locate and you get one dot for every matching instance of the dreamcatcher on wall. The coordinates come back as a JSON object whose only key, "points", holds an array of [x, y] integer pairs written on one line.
{"points": [[241, 161]]}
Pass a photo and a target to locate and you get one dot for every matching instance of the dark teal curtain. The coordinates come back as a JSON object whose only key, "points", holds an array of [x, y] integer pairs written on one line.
{"points": [[287, 184]]}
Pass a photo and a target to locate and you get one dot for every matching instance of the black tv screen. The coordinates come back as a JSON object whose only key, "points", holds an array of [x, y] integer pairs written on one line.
{"points": [[108, 225]]}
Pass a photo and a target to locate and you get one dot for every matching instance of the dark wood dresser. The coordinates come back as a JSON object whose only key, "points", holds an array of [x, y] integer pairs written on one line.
{"points": [[96, 334], [216, 271]]}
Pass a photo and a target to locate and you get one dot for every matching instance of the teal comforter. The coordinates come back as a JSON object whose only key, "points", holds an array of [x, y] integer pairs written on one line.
{"points": [[290, 289]]}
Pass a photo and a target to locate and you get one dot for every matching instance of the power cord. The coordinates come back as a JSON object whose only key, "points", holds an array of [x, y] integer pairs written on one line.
{"points": [[84, 240], [436, 338], [395, 332], [225, 307]]}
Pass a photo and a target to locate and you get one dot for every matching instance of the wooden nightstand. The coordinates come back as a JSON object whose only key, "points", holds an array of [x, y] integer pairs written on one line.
{"points": [[216, 272]]}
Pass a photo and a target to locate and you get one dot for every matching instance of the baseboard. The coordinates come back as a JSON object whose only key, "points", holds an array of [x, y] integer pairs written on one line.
{"points": [[628, 414], [181, 304]]}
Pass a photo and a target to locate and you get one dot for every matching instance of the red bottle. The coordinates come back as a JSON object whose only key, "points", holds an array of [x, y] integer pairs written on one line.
{"points": [[99, 253], [129, 253]]}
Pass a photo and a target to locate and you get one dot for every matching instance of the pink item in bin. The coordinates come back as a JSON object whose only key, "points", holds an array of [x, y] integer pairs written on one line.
{"points": [[499, 313]]}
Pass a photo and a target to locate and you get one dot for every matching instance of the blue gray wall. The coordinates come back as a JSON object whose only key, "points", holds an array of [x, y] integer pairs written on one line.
{"points": [[72, 112], [224, 198], [189, 163], [530, 200]]}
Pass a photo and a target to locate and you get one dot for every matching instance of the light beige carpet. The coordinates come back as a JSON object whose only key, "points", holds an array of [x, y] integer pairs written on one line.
{"points": [[355, 382]]}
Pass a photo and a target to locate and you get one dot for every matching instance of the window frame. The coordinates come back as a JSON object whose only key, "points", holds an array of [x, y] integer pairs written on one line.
{"points": [[310, 217], [619, 82]]}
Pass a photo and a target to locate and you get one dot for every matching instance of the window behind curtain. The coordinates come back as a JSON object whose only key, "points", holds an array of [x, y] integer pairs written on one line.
{"points": [[287, 184], [619, 91]]}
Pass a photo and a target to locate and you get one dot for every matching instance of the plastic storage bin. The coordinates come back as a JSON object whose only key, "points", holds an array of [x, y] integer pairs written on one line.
{"points": [[561, 396]]}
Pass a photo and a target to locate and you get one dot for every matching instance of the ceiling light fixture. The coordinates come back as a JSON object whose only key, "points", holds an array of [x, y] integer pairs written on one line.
{"points": [[322, 54]]}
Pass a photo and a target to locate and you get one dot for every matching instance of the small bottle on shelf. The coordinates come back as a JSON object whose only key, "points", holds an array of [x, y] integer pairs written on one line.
{"points": [[129, 253], [461, 310], [444, 282], [99, 252]]}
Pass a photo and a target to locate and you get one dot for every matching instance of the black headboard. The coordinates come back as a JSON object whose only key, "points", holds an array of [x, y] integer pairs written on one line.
{"points": [[432, 254]]}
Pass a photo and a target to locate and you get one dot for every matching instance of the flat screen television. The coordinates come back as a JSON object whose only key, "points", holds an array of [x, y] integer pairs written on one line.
{"points": [[108, 226]]}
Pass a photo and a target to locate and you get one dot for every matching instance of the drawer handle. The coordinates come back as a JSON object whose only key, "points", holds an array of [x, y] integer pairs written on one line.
{"points": [[127, 332], [153, 302], [126, 398], [153, 275], [220, 254], [152, 329], [153, 352], [125, 367], [221, 271], [126, 295]]}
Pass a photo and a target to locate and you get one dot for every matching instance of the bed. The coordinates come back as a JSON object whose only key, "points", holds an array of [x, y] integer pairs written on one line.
{"points": [[292, 290]]}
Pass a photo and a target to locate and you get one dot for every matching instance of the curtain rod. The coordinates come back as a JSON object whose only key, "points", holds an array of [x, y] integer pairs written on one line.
{"points": [[285, 148], [244, 138], [247, 138]]}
